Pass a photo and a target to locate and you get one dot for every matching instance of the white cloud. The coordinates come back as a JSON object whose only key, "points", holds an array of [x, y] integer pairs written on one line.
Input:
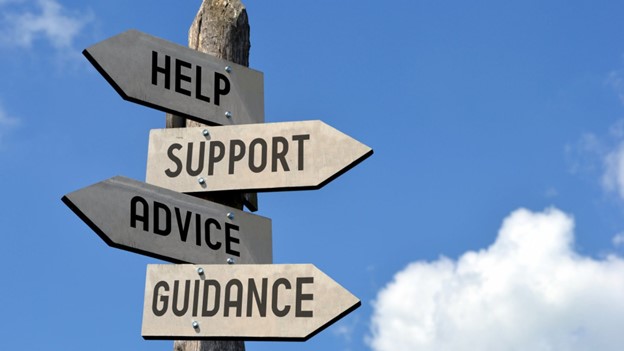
{"points": [[6, 123], [618, 240], [51, 22], [616, 80], [601, 156], [613, 177], [613, 160], [582, 156], [5, 120], [527, 291]]}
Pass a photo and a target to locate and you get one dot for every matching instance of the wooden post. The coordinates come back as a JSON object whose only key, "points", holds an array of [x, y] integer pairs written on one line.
{"points": [[221, 29]]}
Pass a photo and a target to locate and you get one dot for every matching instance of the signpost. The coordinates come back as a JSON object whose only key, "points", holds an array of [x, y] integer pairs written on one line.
{"points": [[161, 223], [292, 302], [261, 157], [211, 300], [175, 79]]}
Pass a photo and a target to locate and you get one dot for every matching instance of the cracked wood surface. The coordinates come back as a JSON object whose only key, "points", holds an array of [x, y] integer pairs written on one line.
{"points": [[221, 29]]}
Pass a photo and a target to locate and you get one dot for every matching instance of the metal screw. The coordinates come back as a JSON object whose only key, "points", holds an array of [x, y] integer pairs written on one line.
{"points": [[195, 325], [201, 181], [200, 271], [205, 132], [228, 69], [228, 114], [230, 215], [230, 260]]}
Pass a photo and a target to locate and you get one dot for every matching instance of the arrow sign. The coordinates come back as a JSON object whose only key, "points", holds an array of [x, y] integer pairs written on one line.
{"points": [[241, 301], [260, 157], [152, 221], [175, 79]]}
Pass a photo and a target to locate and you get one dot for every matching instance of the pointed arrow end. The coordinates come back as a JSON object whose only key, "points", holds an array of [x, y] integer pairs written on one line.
{"points": [[366, 153], [355, 306], [72, 200]]}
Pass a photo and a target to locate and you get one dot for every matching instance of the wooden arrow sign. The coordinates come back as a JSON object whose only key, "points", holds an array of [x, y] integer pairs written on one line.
{"points": [[241, 301], [172, 78], [260, 157], [152, 221]]}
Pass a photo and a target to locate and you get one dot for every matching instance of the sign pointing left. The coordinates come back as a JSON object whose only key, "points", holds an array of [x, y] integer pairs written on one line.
{"points": [[175, 79], [161, 223]]}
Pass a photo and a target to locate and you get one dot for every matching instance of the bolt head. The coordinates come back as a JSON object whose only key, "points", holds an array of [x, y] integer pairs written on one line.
{"points": [[201, 181], [230, 260], [205, 132], [200, 271], [228, 69], [228, 114], [195, 325], [230, 215]]}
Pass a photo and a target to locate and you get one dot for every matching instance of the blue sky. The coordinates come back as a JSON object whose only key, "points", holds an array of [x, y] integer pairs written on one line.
{"points": [[491, 215]]}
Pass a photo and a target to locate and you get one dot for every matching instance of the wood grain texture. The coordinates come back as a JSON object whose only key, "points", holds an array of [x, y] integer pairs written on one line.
{"points": [[184, 345], [220, 28]]}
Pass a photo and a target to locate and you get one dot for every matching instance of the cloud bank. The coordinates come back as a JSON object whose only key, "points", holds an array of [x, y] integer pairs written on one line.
{"points": [[528, 291], [22, 27]]}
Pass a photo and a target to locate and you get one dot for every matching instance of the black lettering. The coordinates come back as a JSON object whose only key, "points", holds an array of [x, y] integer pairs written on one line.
{"points": [[195, 297], [299, 296], [175, 159], [198, 85], [252, 155], [228, 302], [279, 155], [134, 216], [198, 234], [213, 157], [183, 228], [158, 207], [176, 291], [219, 91], [216, 224], [164, 70], [179, 77], [164, 299], [234, 156], [189, 159], [259, 298], [274, 297], [300, 139], [217, 293], [230, 239]]}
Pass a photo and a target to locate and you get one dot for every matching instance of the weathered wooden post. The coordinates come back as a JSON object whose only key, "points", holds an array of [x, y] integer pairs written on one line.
{"points": [[221, 29]]}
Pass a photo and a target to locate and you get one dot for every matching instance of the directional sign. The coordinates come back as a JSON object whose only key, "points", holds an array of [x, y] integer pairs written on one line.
{"points": [[241, 301], [172, 78], [157, 222], [271, 156]]}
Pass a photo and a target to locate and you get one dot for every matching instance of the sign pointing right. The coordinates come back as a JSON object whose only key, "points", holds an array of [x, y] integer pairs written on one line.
{"points": [[259, 157], [292, 301]]}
